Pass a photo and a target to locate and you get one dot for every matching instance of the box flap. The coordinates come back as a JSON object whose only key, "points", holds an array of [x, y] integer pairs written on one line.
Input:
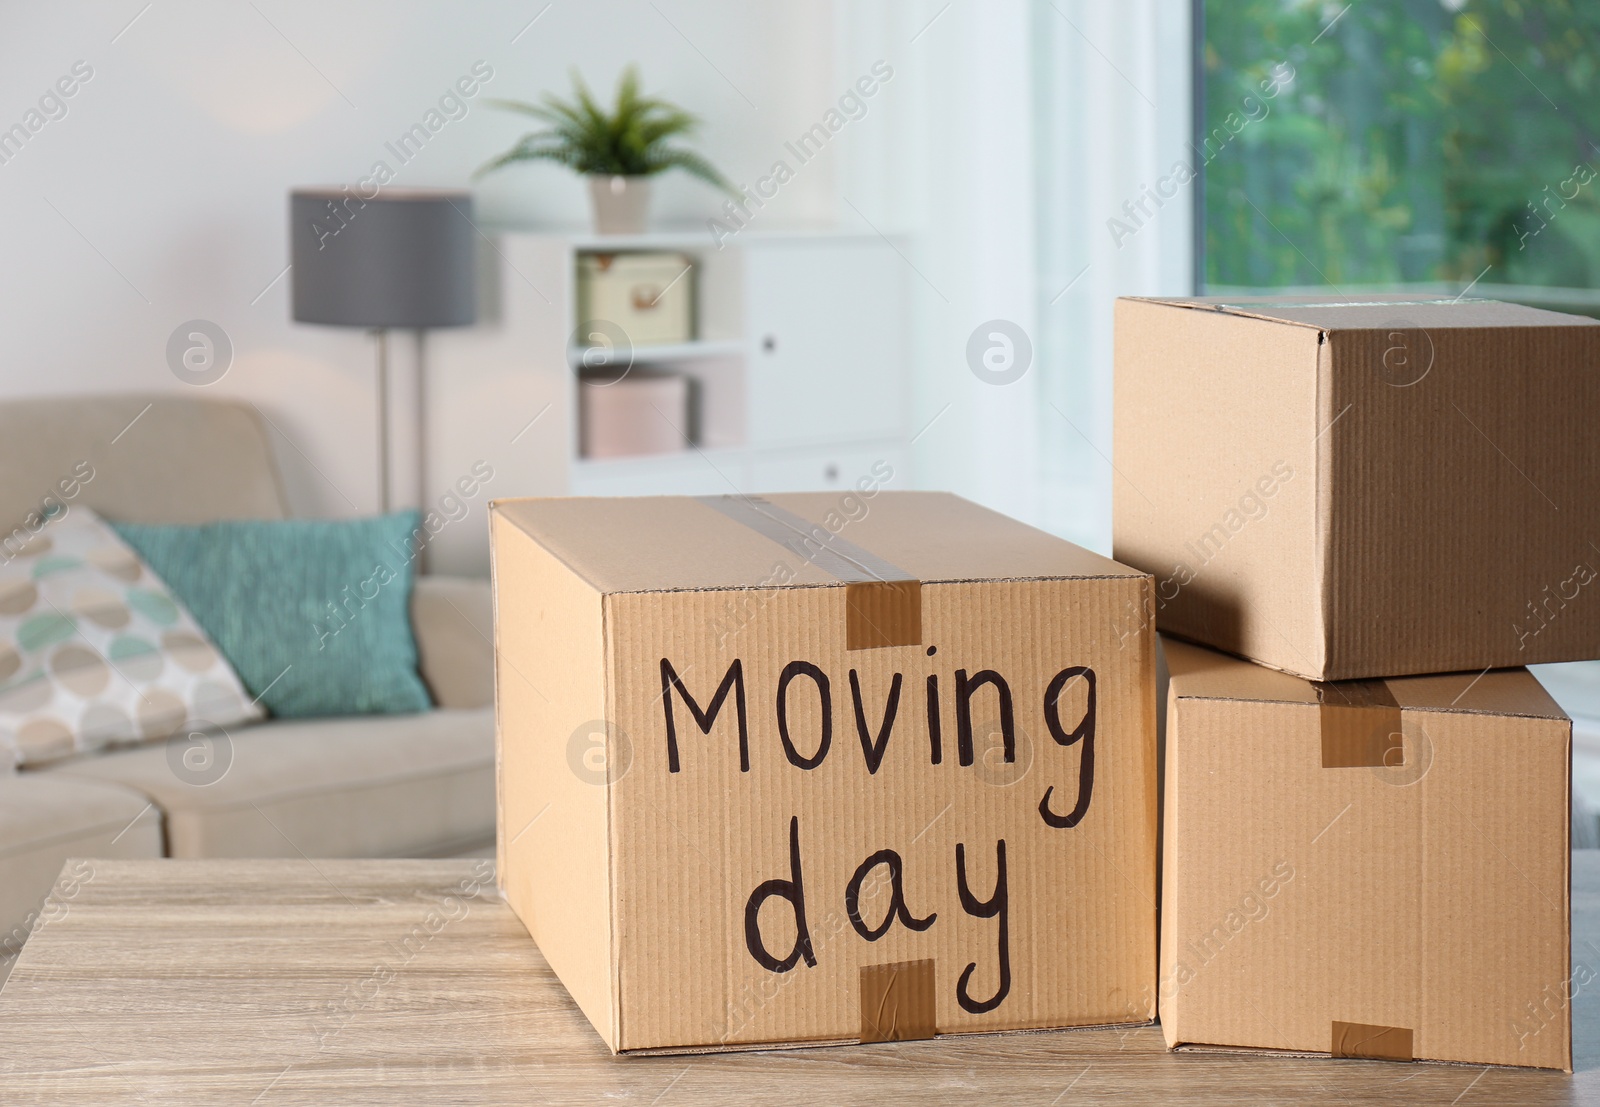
{"points": [[681, 543], [1198, 673], [1376, 311]]}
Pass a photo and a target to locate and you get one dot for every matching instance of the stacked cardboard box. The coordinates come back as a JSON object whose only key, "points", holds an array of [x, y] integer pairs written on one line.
{"points": [[1359, 860], [819, 768]]}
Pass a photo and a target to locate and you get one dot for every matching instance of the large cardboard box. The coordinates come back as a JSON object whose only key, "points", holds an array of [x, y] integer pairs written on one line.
{"points": [[1362, 489], [821, 768], [1372, 869]]}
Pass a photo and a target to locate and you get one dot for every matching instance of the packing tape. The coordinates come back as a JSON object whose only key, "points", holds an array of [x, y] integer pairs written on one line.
{"points": [[897, 1002], [1373, 1043], [883, 603], [1360, 723], [1345, 303], [882, 613]]}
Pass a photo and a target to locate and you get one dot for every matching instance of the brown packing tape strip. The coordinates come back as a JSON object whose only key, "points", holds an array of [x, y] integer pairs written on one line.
{"points": [[1360, 722], [883, 603], [897, 1002], [882, 613], [1372, 1043]]}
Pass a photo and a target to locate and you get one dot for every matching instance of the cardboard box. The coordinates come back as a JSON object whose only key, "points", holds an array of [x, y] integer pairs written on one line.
{"points": [[633, 411], [649, 295], [1373, 869], [728, 816], [1362, 489]]}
